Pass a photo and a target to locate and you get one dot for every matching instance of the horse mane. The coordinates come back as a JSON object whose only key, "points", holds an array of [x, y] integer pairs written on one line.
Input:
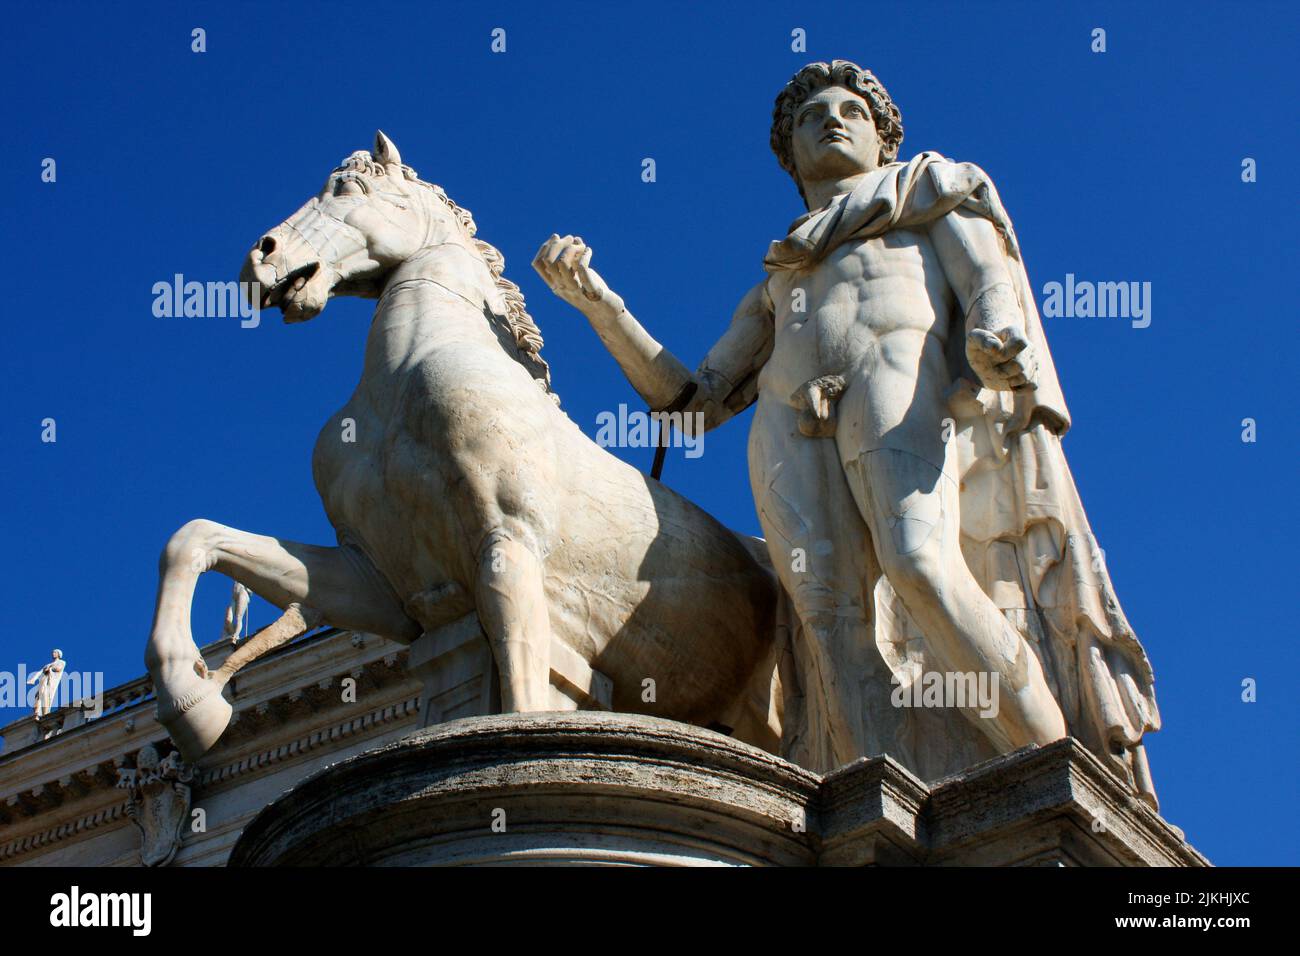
{"points": [[518, 323]]}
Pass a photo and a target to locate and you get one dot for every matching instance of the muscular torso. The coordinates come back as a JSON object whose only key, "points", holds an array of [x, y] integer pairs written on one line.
{"points": [[878, 312]]}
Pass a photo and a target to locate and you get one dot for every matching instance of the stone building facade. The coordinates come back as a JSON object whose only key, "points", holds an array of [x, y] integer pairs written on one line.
{"points": [[89, 792], [359, 729]]}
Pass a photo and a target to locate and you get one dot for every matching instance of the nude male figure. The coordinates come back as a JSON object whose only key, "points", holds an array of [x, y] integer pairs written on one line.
{"points": [[847, 354]]}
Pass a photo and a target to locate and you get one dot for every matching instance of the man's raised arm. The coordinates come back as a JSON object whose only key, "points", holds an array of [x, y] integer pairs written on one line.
{"points": [[726, 381]]}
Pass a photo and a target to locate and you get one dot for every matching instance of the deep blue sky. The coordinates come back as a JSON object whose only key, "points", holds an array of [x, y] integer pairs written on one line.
{"points": [[1116, 166]]}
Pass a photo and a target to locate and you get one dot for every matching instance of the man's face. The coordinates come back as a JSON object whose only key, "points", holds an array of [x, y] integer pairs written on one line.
{"points": [[834, 136]]}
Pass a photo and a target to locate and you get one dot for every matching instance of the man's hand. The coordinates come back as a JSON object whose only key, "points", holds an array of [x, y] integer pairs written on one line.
{"points": [[1003, 359], [564, 263]]}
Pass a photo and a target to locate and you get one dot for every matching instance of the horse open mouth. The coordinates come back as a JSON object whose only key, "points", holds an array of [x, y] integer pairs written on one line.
{"points": [[282, 292]]}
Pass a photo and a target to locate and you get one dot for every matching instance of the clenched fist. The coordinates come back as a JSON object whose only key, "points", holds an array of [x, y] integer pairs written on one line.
{"points": [[564, 263], [1003, 359]]}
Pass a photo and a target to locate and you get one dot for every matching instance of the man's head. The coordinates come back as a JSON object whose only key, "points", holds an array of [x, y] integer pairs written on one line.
{"points": [[832, 120]]}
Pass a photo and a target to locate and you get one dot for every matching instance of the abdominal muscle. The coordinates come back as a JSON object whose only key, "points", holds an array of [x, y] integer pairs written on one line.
{"points": [[877, 313]]}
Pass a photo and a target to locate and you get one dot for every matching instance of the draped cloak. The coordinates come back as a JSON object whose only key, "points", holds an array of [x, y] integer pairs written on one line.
{"points": [[1024, 533]]}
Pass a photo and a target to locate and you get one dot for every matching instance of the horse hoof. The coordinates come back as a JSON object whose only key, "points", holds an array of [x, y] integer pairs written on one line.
{"points": [[197, 729]]}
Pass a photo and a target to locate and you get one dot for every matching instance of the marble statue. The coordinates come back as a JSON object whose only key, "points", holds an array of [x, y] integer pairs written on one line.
{"points": [[905, 454], [236, 613], [47, 681], [458, 488]]}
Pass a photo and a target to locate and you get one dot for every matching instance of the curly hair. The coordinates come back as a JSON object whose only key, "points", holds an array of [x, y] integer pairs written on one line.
{"points": [[818, 76]]}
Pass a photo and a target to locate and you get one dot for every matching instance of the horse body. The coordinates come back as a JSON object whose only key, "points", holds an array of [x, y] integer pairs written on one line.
{"points": [[469, 447], [456, 486]]}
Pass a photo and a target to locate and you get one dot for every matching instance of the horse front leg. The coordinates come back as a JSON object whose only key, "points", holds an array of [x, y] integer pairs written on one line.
{"points": [[511, 601], [312, 584]]}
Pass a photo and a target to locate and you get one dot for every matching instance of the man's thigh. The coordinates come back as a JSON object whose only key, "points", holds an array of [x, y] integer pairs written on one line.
{"points": [[898, 401], [815, 534], [909, 504]]}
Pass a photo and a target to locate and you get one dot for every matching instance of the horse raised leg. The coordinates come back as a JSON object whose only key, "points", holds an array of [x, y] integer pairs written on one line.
{"points": [[314, 585]]}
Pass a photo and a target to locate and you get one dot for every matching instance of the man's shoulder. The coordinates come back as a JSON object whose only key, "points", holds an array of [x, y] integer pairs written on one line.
{"points": [[933, 159], [943, 173], [951, 176]]}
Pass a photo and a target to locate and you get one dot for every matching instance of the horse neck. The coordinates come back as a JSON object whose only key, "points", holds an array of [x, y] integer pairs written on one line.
{"points": [[444, 293]]}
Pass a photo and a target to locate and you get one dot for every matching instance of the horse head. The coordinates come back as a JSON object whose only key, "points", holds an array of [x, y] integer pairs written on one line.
{"points": [[372, 214]]}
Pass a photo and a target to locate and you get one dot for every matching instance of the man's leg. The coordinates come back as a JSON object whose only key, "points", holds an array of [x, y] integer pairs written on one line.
{"points": [[912, 510], [820, 550]]}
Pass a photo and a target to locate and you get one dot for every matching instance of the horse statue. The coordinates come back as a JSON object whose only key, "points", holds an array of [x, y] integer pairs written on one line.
{"points": [[457, 487]]}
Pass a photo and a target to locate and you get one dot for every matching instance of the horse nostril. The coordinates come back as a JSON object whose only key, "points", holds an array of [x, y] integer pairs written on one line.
{"points": [[267, 245]]}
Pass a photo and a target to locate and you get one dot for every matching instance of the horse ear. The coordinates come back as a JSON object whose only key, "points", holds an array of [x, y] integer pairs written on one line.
{"points": [[385, 150]]}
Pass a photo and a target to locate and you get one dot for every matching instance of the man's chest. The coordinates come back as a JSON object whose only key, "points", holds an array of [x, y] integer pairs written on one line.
{"points": [[897, 269]]}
